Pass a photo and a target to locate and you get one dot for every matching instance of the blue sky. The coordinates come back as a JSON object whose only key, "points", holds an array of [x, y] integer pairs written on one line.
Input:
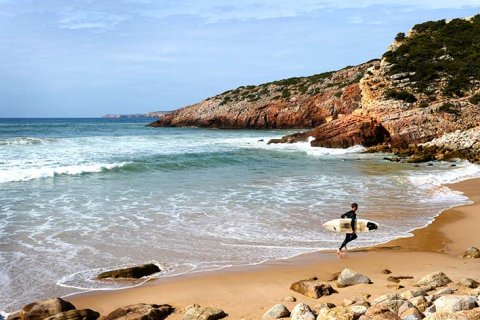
{"points": [[85, 58]]}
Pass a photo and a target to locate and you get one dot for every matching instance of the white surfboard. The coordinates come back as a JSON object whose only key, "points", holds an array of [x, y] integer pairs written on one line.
{"points": [[345, 225]]}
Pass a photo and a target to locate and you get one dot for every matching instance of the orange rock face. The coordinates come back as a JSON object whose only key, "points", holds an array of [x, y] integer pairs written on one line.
{"points": [[293, 103]]}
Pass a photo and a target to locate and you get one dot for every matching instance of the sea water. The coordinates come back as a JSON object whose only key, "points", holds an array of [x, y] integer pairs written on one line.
{"points": [[79, 196]]}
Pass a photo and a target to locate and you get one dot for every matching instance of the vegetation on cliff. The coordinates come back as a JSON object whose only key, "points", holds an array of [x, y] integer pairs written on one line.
{"points": [[286, 88], [439, 52], [426, 85], [299, 102]]}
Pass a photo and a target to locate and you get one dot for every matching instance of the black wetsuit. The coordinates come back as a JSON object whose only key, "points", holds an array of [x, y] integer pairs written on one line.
{"points": [[349, 236]]}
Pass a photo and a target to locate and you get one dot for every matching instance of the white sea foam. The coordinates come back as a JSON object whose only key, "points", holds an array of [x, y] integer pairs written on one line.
{"points": [[463, 170], [19, 174], [26, 141], [259, 207]]}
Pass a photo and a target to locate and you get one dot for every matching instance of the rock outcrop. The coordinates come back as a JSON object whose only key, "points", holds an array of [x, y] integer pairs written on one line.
{"points": [[303, 102], [140, 311], [419, 91], [132, 272], [84, 314], [46, 308]]}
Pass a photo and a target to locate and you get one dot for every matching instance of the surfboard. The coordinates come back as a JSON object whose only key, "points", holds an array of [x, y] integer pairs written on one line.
{"points": [[345, 225]]}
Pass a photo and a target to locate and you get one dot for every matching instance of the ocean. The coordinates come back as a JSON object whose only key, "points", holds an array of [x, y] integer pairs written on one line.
{"points": [[79, 196]]}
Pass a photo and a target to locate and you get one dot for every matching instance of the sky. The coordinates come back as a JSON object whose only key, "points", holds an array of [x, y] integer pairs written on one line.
{"points": [[73, 58]]}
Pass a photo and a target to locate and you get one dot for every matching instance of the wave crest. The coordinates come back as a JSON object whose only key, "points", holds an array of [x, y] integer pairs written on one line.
{"points": [[13, 175], [26, 141]]}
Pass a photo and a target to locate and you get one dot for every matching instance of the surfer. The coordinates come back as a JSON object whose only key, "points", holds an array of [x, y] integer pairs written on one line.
{"points": [[349, 236]]}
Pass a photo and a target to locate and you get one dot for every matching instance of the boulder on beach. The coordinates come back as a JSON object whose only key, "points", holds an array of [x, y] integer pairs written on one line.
{"points": [[434, 280], [289, 299], [276, 312], [453, 303], [471, 253], [302, 312], [196, 312], [349, 277], [140, 311], [358, 310], [397, 279], [84, 314], [413, 293], [45, 308], [338, 313], [411, 314], [386, 297], [136, 272], [394, 305], [420, 302], [473, 314], [445, 316], [469, 283], [379, 313], [312, 288]]}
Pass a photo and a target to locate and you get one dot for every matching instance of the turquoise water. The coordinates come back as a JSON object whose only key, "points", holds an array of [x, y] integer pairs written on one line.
{"points": [[81, 195]]}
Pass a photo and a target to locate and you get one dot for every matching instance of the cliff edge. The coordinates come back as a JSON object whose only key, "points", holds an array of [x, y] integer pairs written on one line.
{"points": [[426, 85]]}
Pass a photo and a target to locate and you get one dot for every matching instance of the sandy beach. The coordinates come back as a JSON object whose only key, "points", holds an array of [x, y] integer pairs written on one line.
{"points": [[247, 292]]}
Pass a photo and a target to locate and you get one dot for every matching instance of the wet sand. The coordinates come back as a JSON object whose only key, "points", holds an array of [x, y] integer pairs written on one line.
{"points": [[247, 292]]}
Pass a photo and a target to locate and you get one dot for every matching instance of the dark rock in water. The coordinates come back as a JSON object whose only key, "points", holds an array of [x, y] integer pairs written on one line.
{"points": [[386, 271], [85, 314], [133, 272], [46, 308], [342, 133], [141, 311], [312, 288], [198, 313]]}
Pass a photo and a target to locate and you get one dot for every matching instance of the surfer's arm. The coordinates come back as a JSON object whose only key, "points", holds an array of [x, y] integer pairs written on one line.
{"points": [[354, 218]]}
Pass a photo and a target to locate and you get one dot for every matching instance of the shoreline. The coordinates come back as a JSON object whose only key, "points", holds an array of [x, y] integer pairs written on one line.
{"points": [[435, 246]]}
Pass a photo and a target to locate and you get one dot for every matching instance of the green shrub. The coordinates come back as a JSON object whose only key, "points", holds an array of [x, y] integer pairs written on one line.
{"points": [[475, 99], [400, 37], [400, 95], [338, 94], [440, 50], [286, 93], [423, 104], [449, 107]]}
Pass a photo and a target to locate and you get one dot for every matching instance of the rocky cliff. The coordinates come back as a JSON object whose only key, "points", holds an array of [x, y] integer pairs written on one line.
{"points": [[304, 102], [426, 85]]}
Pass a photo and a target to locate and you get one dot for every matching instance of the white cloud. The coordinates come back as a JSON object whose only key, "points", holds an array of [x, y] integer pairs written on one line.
{"points": [[79, 19], [140, 58], [214, 11]]}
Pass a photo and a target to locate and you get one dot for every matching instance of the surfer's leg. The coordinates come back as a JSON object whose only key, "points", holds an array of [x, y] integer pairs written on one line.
{"points": [[352, 236], [344, 243]]}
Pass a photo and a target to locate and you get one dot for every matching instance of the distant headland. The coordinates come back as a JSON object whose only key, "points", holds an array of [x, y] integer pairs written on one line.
{"points": [[153, 114]]}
